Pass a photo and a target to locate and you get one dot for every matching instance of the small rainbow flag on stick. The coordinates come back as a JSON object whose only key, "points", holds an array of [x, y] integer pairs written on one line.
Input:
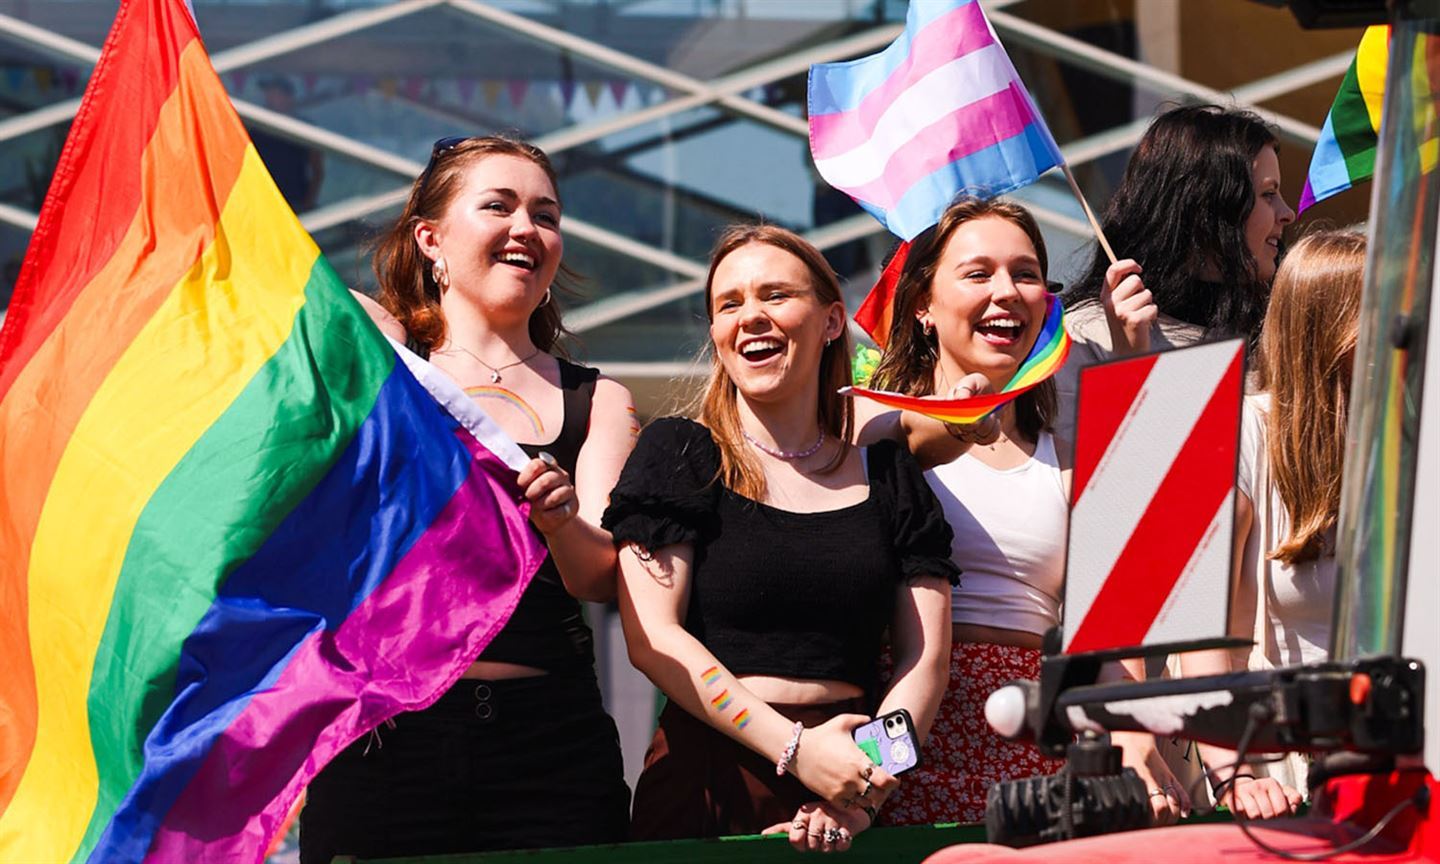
{"points": [[1052, 346], [237, 532], [1345, 153]]}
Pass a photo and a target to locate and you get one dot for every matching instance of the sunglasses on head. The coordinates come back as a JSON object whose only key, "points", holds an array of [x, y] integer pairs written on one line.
{"points": [[441, 145]]}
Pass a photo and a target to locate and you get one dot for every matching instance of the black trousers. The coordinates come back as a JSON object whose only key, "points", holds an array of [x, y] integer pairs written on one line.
{"points": [[520, 764]]}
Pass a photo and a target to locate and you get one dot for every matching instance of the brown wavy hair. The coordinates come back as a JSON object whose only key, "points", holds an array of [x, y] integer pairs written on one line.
{"points": [[908, 365], [407, 285], [717, 407], [1307, 352]]}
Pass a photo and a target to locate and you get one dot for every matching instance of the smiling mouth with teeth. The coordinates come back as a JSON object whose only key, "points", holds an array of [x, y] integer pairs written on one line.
{"points": [[1004, 328], [516, 259], [760, 350]]}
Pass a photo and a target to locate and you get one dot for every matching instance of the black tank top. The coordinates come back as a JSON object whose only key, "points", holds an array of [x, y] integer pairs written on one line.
{"points": [[548, 629]]}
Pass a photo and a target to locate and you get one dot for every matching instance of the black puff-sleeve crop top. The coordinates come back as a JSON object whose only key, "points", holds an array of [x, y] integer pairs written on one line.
{"points": [[799, 595]]}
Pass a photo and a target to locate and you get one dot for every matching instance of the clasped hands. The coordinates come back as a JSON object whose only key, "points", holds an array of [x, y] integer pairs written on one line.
{"points": [[852, 787]]}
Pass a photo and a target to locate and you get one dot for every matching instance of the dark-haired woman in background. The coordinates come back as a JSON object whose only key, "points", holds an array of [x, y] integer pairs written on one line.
{"points": [[520, 752], [1200, 210]]}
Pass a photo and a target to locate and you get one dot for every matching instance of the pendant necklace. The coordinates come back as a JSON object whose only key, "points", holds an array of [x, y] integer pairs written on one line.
{"points": [[494, 370]]}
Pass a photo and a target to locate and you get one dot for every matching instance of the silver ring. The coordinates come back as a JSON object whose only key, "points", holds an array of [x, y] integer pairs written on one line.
{"points": [[1162, 792], [868, 787], [832, 835], [548, 459], [798, 825]]}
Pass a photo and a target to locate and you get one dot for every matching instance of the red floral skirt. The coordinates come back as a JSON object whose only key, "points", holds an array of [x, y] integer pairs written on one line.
{"points": [[964, 757]]}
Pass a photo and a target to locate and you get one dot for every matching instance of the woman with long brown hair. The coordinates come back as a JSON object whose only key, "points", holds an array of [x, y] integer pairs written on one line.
{"points": [[1292, 455], [763, 556], [520, 752], [971, 301]]}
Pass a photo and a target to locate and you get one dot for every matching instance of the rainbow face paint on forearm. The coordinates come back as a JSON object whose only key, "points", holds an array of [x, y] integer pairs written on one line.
{"points": [[1046, 357], [722, 701]]}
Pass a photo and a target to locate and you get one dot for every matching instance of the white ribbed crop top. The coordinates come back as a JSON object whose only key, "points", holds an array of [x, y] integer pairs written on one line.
{"points": [[1009, 539]]}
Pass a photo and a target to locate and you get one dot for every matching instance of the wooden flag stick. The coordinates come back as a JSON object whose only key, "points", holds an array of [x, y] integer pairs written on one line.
{"points": [[1085, 205]]}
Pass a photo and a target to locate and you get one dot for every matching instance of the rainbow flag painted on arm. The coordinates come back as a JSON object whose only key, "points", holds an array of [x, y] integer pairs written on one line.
{"points": [[1345, 153], [237, 532]]}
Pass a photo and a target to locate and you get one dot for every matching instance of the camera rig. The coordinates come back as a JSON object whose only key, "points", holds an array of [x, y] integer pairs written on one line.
{"points": [[1371, 706]]}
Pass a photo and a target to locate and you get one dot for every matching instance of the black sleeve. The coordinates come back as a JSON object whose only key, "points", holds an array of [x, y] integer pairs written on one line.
{"points": [[667, 491], [922, 536]]}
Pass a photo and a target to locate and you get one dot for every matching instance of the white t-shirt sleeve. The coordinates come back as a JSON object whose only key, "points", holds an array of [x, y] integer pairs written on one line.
{"points": [[1252, 442]]}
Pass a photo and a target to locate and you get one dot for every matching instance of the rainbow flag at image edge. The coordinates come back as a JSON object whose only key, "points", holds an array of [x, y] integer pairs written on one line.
{"points": [[1345, 153], [237, 532]]}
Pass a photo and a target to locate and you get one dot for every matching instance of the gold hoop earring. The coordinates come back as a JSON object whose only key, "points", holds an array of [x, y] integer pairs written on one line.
{"points": [[441, 273]]}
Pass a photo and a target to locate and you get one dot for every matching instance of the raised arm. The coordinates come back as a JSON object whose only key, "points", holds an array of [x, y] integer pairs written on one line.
{"points": [[654, 595], [388, 324], [932, 442]]}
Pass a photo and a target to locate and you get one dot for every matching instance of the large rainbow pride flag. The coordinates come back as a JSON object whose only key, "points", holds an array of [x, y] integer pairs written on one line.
{"points": [[236, 532]]}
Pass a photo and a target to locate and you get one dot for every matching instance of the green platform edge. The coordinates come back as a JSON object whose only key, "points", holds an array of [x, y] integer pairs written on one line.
{"points": [[912, 843]]}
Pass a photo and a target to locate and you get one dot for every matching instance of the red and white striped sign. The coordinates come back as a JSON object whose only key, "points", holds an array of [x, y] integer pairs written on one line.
{"points": [[1150, 530]]}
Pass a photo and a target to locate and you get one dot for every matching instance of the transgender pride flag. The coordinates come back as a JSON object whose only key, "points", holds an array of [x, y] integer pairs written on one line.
{"points": [[939, 112]]}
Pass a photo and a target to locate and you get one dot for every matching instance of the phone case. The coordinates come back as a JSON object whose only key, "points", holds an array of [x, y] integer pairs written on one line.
{"points": [[889, 741]]}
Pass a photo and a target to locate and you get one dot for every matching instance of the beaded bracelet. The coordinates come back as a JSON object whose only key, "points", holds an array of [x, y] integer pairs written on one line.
{"points": [[783, 764]]}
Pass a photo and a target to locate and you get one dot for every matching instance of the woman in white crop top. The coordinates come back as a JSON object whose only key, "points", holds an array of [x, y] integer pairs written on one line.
{"points": [[972, 299]]}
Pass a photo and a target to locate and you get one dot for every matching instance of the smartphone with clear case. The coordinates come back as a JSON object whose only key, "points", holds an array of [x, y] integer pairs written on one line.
{"points": [[890, 741]]}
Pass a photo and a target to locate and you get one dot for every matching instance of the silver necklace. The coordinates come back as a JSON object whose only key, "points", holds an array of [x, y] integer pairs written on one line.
{"points": [[781, 454], [494, 370]]}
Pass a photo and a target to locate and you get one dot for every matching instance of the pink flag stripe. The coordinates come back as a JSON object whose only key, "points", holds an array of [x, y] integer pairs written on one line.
{"points": [[1166, 537], [1101, 412], [973, 128], [327, 697], [951, 87], [952, 35]]}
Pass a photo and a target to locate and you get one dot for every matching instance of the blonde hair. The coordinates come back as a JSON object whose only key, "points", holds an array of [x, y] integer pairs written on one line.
{"points": [[1307, 351], [718, 408], [908, 365]]}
